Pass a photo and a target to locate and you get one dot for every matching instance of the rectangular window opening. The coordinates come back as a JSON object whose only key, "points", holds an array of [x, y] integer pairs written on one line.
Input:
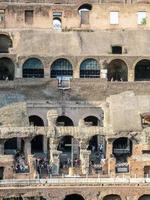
{"points": [[29, 16], [114, 17], [2, 16], [141, 17], [116, 49]]}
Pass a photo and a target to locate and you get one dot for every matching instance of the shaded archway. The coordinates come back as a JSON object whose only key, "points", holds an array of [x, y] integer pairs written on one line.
{"points": [[142, 70], [92, 121], [5, 43], [64, 121], [69, 146], [13, 145], [97, 148], [33, 68], [57, 23], [112, 197], [7, 69], [37, 144], [61, 68], [36, 121], [89, 68], [122, 149], [117, 71], [74, 197], [145, 197]]}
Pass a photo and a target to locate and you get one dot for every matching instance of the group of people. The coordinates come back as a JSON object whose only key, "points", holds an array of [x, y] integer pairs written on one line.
{"points": [[43, 167], [21, 165], [67, 163]]}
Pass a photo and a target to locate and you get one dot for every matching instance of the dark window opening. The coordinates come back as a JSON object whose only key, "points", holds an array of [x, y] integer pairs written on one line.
{"points": [[144, 197], [6, 69], [92, 121], [142, 71], [146, 151], [33, 68], [116, 50], [29, 16], [13, 145], [5, 43], [145, 120], [2, 16], [89, 68], [74, 197], [1, 173], [61, 67], [117, 71], [112, 197], [97, 148], [37, 144], [64, 121], [36, 121]]}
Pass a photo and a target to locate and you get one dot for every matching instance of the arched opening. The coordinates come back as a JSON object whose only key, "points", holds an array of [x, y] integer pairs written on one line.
{"points": [[13, 145], [61, 68], [5, 43], [74, 197], [37, 144], [122, 149], [112, 197], [89, 68], [145, 197], [84, 13], [7, 69], [33, 68], [36, 121], [117, 71], [142, 70], [97, 148], [69, 146], [57, 23], [64, 121], [91, 121]]}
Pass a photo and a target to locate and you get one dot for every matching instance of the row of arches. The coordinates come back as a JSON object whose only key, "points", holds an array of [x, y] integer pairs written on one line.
{"points": [[117, 69], [76, 196], [65, 121]]}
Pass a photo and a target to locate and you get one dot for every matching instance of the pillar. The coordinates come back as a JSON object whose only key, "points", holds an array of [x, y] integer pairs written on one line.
{"points": [[51, 117], [131, 75], [54, 155], [103, 74], [45, 144], [27, 147], [84, 157], [2, 146]]}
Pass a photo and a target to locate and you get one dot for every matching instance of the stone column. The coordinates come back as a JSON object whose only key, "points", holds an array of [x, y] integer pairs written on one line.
{"points": [[84, 157], [51, 117], [27, 147], [2, 146], [130, 75], [45, 144], [104, 73], [54, 155]]}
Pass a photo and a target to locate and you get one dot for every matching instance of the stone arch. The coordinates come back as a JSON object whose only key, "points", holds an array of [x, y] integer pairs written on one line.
{"points": [[91, 121], [145, 197], [89, 68], [117, 70], [33, 68], [57, 23], [112, 197], [5, 43], [74, 197], [64, 121], [85, 7], [61, 67], [142, 70], [36, 120], [7, 69]]}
